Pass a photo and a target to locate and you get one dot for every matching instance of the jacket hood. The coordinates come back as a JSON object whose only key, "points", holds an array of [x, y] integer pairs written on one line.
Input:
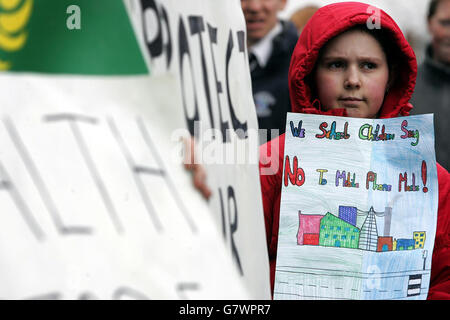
{"points": [[332, 20]]}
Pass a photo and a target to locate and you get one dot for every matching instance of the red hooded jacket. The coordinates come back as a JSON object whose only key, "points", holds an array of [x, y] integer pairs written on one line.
{"points": [[328, 22]]}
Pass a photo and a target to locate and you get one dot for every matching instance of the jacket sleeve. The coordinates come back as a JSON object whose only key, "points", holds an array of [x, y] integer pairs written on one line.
{"points": [[270, 176], [271, 167], [440, 266]]}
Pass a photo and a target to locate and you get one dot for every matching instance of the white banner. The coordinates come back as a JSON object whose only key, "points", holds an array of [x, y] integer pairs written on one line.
{"points": [[94, 200], [203, 44], [91, 205]]}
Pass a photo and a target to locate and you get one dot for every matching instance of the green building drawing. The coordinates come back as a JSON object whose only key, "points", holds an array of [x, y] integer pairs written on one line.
{"points": [[335, 232]]}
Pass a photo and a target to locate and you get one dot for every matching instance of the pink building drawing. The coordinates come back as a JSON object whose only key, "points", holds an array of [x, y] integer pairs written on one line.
{"points": [[308, 224]]}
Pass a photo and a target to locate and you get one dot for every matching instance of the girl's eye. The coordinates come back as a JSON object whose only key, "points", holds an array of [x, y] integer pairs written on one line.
{"points": [[335, 65], [368, 65]]}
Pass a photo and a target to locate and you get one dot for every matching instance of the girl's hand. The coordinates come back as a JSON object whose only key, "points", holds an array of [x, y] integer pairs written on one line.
{"points": [[198, 171]]}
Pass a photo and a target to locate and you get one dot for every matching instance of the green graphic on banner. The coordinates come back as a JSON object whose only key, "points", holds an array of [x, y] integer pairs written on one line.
{"points": [[69, 37]]}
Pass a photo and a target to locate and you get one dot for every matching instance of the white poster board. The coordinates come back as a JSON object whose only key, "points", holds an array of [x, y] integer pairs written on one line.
{"points": [[94, 200], [203, 44]]}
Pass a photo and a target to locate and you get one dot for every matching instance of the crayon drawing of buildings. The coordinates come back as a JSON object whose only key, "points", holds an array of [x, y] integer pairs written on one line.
{"points": [[348, 214], [368, 239], [405, 244], [341, 231], [385, 244], [335, 232], [419, 238], [308, 232]]}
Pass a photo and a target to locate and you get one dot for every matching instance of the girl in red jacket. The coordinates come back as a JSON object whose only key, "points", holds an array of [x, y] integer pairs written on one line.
{"points": [[352, 60]]}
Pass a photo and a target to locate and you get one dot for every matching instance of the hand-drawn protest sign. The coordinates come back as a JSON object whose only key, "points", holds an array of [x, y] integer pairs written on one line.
{"points": [[90, 195], [358, 208]]}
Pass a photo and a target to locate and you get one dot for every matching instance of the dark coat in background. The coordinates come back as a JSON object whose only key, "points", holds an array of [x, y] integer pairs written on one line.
{"points": [[270, 84], [432, 95]]}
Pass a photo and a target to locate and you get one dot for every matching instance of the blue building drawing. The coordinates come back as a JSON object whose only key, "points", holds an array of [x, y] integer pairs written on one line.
{"points": [[348, 214], [405, 244]]}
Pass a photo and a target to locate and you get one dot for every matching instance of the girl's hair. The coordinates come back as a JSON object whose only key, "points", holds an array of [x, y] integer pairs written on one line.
{"points": [[386, 41]]}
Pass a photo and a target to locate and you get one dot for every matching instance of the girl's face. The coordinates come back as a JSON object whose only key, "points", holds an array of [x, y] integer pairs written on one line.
{"points": [[352, 73]]}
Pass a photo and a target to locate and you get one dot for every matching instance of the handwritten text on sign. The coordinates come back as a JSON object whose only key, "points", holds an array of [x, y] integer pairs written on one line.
{"points": [[295, 175]]}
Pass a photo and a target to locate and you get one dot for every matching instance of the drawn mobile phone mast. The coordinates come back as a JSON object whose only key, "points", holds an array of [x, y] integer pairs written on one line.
{"points": [[424, 256]]}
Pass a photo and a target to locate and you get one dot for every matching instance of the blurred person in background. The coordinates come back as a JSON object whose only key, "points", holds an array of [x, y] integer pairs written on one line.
{"points": [[270, 43], [301, 16], [432, 93]]}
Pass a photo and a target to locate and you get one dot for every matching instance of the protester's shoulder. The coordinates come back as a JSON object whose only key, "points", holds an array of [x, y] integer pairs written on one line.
{"points": [[443, 178], [289, 35], [289, 28], [443, 225], [444, 192], [424, 71]]}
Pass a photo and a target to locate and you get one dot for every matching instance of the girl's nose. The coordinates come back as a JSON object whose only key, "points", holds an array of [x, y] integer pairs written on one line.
{"points": [[352, 78]]}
